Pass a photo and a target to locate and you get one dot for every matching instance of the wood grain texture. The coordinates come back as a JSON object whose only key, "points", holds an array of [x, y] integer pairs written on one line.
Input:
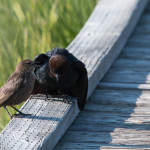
{"points": [[97, 45]]}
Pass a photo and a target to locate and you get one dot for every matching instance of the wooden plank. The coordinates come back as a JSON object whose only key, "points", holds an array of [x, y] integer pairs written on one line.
{"points": [[140, 40], [125, 137], [128, 75], [124, 147], [105, 126], [121, 98], [136, 53], [143, 28], [97, 45], [129, 86], [141, 37], [145, 19], [96, 146], [132, 63]]}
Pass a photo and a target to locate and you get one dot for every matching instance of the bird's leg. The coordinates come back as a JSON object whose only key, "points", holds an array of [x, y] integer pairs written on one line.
{"points": [[59, 94], [63, 96], [7, 112], [46, 93], [19, 112], [31, 97]]}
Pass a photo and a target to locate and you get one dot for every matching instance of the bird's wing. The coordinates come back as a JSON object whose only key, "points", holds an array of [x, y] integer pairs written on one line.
{"points": [[81, 87], [73, 59], [41, 59], [11, 86]]}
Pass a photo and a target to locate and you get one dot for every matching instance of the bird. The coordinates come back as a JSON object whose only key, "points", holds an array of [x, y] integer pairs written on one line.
{"points": [[61, 73], [19, 86]]}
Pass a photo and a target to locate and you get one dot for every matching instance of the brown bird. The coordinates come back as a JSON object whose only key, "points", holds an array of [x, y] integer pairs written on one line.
{"points": [[62, 73], [19, 86]]}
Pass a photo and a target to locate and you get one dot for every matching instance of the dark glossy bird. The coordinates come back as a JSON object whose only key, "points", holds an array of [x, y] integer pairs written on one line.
{"points": [[19, 86], [62, 73]]}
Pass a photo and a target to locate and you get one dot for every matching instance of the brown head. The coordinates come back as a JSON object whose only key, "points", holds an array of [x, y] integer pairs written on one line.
{"points": [[58, 66], [26, 65]]}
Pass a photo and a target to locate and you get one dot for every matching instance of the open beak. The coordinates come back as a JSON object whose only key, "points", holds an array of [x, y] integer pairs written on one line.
{"points": [[57, 77]]}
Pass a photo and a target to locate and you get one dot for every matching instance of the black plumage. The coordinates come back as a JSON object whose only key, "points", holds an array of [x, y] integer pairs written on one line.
{"points": [[61, 73]]}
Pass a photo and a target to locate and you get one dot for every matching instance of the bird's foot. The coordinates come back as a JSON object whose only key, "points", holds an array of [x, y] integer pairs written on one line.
{"points": [[66, 99], [20, 115], [31, 96], [47, 99]]}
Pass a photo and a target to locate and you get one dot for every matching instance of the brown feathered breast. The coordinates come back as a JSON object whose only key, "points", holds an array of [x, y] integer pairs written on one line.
{"points": [[19, 85]]}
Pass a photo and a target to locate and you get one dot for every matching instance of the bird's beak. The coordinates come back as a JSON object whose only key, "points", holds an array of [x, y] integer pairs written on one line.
{"points": [[57, 77], [36, 64]]}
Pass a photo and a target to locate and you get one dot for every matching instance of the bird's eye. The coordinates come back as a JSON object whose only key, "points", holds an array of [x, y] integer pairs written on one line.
{"points": [[29, 63]]}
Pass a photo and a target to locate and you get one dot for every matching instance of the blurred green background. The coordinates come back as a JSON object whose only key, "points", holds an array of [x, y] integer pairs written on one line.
{"points": [[28, 28]]}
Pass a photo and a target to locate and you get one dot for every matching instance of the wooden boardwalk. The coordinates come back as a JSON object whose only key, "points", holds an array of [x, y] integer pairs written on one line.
{"points": [[117, 115]]}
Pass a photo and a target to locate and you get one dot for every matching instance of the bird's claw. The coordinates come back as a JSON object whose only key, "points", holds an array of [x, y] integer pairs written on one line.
{"points": [[31, 97], [20, 115], [66, 100], [47, 100]]}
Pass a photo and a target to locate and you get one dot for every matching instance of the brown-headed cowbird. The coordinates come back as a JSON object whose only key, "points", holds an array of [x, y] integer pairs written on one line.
{"points": [[62, 73], [19, 85]]}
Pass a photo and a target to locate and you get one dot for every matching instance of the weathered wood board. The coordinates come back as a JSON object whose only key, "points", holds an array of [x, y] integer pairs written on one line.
{"points": [[117, 115], [97, 45]]}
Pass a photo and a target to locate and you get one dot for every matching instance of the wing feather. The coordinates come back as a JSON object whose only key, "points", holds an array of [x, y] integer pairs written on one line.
{"points": [[81, 87], [11, 86]]}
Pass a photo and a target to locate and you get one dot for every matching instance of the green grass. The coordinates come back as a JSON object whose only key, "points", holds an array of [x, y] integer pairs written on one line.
{"points": [[28, 28]]}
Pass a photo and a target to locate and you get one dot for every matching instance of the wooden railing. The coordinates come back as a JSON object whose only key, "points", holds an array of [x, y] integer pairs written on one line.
{"points": [[97, 45]]}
